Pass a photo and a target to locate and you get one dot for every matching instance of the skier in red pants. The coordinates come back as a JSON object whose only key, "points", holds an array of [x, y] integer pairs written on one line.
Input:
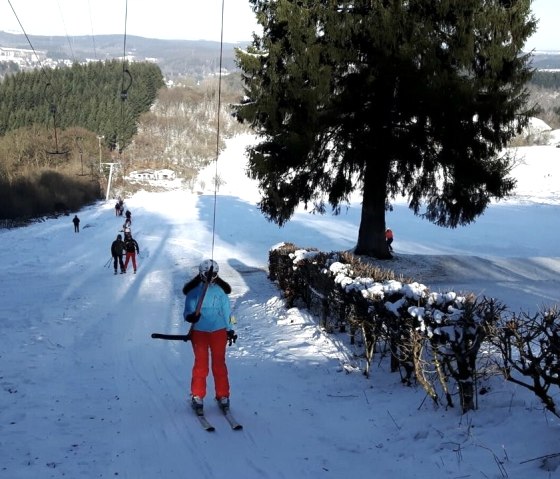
{"points": [[210, 333], [131, 248]]}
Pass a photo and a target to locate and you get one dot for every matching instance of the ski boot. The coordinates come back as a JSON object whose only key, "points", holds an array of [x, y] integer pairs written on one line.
{"points": [[197, 405], [223, 402]]}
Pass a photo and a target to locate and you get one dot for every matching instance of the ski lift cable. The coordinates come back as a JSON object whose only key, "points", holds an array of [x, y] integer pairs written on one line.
{"points": [[66, 32], [92, 34], [126, 77], [52, 108], [53, 111], [29, 41], [218, 132], [125, 72]]}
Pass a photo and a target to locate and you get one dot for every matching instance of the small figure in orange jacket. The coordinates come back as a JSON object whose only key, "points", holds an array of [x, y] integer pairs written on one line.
{"points": [[389, 238]]}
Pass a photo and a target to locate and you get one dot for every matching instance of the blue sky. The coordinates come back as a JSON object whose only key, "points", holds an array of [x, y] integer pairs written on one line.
{"points": [[183, 19]]}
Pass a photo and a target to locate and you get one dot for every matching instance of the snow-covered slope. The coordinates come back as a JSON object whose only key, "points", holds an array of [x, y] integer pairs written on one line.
{"points": [[86, 393]]}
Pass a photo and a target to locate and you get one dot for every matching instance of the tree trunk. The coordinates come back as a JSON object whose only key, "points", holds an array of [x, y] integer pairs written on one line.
{"points": [[466, 365], [466, 394], [371, 237]]}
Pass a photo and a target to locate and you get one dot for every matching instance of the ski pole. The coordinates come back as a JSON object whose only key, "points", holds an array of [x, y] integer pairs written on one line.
{"points": [[108, 262], [177, 337]]}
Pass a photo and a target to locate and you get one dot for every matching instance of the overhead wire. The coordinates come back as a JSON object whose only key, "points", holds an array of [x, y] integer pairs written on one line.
{"points": [[125, 73], [92, 35], [218, 132], [48, 84], [66, 32], [30, 44]]}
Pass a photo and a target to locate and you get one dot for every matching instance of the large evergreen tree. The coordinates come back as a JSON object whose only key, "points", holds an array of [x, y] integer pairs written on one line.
{"points": [[390, 97]]}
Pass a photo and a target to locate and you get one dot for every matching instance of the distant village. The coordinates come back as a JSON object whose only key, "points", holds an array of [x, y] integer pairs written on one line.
{"points": [[27, 59], [152, 175]]}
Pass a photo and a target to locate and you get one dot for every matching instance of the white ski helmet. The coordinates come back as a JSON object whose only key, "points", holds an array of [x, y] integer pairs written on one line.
{"points": [[208, 270]]}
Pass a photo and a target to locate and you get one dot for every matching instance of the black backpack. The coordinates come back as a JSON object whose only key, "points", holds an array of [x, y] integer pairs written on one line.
{"points": [[129, 245]]}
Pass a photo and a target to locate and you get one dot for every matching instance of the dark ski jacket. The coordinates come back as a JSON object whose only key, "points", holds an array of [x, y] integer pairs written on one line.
{"points": [[130, 245], [193, 283], [117, 247]]}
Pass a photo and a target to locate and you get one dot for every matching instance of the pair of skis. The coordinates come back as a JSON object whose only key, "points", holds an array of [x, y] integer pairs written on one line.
{"points": [[207, 426]]}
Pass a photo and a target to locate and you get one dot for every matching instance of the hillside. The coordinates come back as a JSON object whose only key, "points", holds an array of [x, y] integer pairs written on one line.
{"points": [[545, 60], [196, 58], [175, 57]]}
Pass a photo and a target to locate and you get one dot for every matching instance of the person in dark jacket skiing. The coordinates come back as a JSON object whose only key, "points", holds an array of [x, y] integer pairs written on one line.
{"points": [[131, 248], [76, 222], [207, 308], [117, 250]]}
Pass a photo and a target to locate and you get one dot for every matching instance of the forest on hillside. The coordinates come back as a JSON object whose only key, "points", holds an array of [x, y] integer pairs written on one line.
{"points": [[543, 89], [59, 129], [104, 97], [51, 117]]}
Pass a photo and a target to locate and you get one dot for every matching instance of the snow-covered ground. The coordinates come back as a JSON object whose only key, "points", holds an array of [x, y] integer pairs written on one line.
{"points": [[86, 393]]}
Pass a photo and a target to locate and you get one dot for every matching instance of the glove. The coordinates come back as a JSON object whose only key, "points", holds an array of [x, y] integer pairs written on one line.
{"points": [[192, 318], [231, 336]]}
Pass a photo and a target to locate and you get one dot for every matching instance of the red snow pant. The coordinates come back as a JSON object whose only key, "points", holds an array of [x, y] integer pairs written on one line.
{"points": [[128, 257], [214, 343]]}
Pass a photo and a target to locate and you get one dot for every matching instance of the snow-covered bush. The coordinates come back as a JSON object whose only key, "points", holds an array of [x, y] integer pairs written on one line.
{"points": [[529, 352], [423, 329], [432, 337]]}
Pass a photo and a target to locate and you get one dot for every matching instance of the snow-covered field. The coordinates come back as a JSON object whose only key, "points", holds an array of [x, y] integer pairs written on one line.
{"points": [[86, 393]]}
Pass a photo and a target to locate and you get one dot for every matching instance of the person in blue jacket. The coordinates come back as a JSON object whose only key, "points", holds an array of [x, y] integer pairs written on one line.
{"points": [[210, 333]]}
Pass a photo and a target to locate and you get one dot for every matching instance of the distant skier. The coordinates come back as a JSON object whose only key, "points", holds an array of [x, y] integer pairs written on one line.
{"points": [[389, 239], [210, 333], [76, 222], [131, 248], [128, 215], [117, 250], [117, 209]]}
